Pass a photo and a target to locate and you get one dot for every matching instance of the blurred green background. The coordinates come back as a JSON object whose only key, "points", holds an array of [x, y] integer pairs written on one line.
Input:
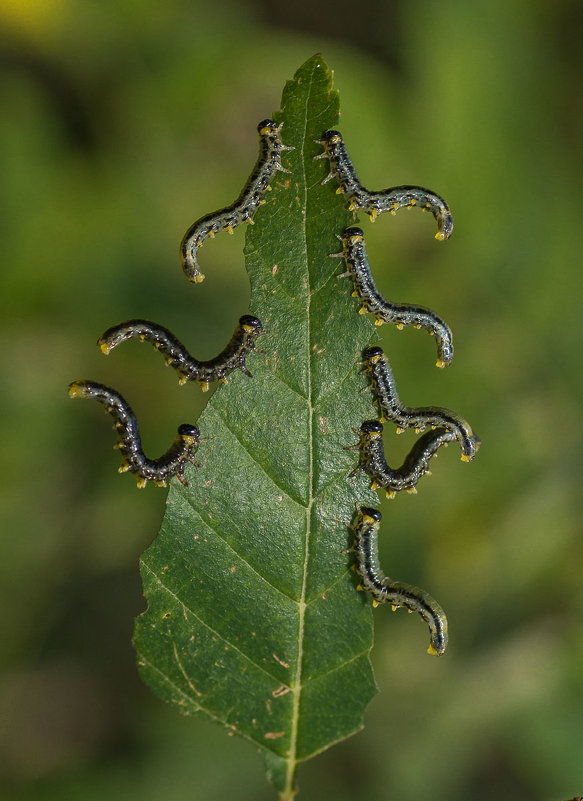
{"points": [[120, 123]]}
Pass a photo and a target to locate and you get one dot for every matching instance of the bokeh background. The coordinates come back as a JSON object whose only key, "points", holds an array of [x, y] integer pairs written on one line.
{"points": [[120, 123]]}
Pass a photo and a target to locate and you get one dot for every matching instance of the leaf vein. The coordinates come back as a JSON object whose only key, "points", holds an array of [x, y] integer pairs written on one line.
{"points": [[198, 708], [206, 625], [320, 593], [340, 665], [289, 386], [255, 460], [216, 531]]}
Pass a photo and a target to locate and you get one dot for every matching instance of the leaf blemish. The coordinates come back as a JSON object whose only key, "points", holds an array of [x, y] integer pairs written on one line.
{"points": [[279, 661]]}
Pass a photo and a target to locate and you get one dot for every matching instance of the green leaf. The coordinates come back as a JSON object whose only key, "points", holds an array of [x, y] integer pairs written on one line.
{"points": [[253, 616]]}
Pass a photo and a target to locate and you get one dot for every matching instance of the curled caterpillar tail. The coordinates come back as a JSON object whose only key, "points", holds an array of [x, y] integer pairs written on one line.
{"points": [[375, 203], [399, 314], [396, 593], [243, 209], [171, 463], [177, 356], [416, 464], [378, 369]]}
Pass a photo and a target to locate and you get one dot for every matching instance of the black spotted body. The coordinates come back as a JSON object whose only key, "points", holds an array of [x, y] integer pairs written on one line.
{"points": [[375, 203], [244, 207], [378, 369], [177, 356], [416, 464], [399, 314], [396, 593], [171, 463]]}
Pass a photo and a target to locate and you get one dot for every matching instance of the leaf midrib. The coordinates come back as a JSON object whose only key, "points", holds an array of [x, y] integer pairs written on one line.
{"points": [[297, 684]]}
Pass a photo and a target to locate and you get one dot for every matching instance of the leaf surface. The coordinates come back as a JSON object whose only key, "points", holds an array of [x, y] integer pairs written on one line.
{"points": [[253, 617]]}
